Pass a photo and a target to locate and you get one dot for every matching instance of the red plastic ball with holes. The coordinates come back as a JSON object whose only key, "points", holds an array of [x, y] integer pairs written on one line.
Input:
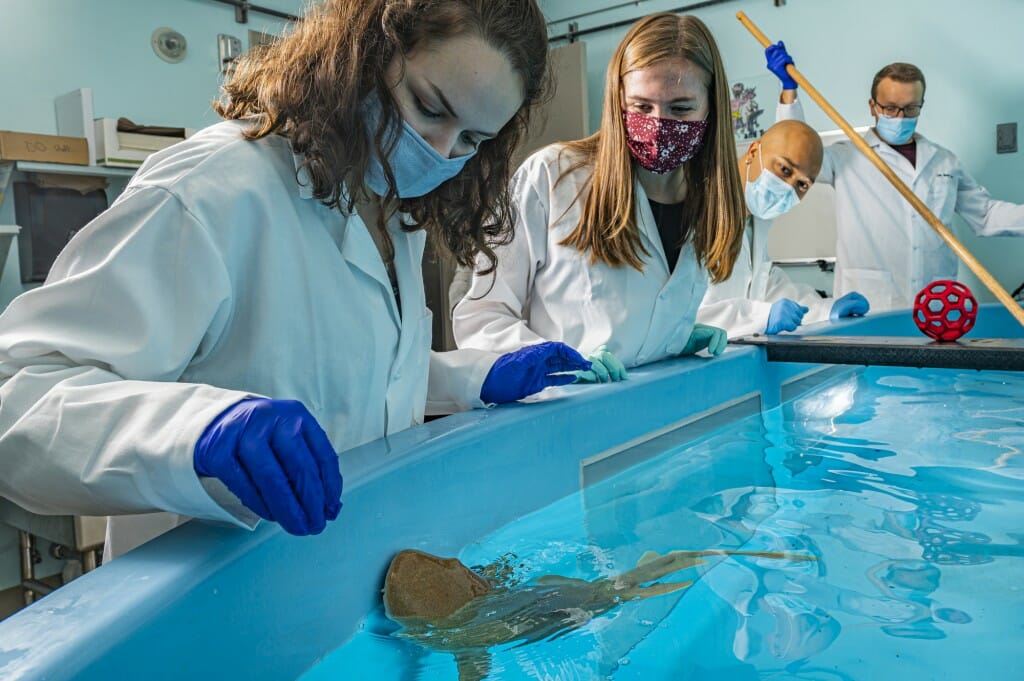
{"points": [[945, 310]]}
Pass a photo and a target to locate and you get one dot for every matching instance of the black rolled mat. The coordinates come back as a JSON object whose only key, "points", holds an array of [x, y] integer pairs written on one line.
{"points": [[999, 354]]}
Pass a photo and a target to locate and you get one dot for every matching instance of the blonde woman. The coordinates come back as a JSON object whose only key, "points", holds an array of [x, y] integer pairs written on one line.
{"points": [[618, 233]]}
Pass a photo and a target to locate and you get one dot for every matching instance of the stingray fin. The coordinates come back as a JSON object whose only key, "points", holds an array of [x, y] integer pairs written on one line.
{"points": [[558, 580], [659, 589], [651, 567], [648, 557]]}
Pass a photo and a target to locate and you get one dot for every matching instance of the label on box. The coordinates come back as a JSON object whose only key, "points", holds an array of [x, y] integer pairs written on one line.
{"points": [[26, 146]]}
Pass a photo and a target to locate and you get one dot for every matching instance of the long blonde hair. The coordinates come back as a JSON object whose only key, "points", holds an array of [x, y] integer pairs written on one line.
{"points": [[714, 207]]}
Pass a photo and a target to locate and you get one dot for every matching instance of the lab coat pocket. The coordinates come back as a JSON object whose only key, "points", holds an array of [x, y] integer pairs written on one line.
{"points": [[878, 286], [942, 197]]}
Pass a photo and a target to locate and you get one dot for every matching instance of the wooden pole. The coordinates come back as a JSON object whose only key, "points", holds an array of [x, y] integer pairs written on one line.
{"points": [[961, 251]]}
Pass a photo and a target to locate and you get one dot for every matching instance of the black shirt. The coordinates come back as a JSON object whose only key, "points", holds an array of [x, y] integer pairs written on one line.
{"points": [[669, 219], [908, 150]]}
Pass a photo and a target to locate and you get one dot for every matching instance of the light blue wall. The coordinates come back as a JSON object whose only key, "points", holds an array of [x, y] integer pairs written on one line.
{"points": [[48, 47], [971, 53]]}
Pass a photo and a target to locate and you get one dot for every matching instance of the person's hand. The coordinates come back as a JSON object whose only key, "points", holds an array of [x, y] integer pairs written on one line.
{"points": [[604, 368], [785, 315], [529, 370], [777, 58], [705, 336], [852, 304], [275, 457]]}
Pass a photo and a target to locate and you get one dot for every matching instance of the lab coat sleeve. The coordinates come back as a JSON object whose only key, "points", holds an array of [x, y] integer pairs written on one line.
{"points": [[985, 215], [781, 286], [738, 316], [456, 378], [789, 112], [795, 112], [729, 304], [491, 316], [461, 282], [744, 316], [92, 418]]}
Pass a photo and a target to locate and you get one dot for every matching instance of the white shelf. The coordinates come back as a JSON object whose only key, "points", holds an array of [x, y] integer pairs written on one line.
{"points": [[69, 169]]}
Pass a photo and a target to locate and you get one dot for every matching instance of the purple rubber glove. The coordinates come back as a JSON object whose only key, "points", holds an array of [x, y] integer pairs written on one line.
{"points": [[777, 59], [529, 370], [852, 304], [785, 315], [275, 457]]}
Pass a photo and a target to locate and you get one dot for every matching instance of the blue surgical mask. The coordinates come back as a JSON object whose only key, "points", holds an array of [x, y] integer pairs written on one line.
{"points": [[895, 130], [417, 167], [768, 196]]}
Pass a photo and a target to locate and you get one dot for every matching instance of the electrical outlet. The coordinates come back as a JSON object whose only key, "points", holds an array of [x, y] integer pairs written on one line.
{"points": [[229, 48], [1006, 138]]}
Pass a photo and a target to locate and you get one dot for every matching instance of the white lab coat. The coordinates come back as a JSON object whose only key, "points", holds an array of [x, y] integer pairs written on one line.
{"points": [[884, 248], [741, 303], [213, 277], [545, 291]]}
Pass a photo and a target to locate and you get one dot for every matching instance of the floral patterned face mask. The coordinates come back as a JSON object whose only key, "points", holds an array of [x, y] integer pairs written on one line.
{"points": [[662, 144]]}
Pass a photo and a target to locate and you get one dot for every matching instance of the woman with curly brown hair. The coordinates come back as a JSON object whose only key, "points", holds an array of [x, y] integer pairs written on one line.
{"points": [[252, 303], [618, 233]]}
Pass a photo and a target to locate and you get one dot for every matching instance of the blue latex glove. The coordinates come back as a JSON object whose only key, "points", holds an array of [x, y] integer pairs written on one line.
{"points": [[777, 59], [704, 336], [529, 370], [275, 457], [604, 368], [852, 304], [785, 315]]}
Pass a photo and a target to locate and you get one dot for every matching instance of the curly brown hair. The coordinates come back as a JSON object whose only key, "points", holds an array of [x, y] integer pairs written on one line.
{"points": [[308, 86]]}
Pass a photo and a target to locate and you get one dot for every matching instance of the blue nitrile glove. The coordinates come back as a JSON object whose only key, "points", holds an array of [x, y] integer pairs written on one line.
{"points": [[275, 457], [704, 336], [604, 368], [777, 59], [852, 304], [785, 315], [529, 370]]}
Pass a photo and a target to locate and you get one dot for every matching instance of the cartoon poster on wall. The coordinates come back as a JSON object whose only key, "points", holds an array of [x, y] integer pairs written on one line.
{"points": [[753, 103]]}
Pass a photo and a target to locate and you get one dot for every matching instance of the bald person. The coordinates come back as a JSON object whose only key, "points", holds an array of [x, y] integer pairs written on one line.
{"points": [[780, 168]]}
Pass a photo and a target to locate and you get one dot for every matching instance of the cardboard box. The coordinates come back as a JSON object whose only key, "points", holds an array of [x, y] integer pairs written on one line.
{"points": [[28, 146]]}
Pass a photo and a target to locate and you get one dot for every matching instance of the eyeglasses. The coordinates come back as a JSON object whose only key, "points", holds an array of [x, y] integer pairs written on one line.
{"points": [[909, 111]]}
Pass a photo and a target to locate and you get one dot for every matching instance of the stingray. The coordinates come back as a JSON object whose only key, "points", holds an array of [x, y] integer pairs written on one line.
{"points": [[443, 605]]}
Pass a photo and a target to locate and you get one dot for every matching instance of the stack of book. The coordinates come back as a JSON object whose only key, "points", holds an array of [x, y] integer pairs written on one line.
{"points": [[122, 144]]}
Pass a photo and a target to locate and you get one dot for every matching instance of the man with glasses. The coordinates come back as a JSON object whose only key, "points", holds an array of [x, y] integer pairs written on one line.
{"points": [[884, 248]]}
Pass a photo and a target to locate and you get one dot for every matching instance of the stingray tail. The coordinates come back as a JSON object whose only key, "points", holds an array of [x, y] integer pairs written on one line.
{"points": [[652, 566], [473, 664]]}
